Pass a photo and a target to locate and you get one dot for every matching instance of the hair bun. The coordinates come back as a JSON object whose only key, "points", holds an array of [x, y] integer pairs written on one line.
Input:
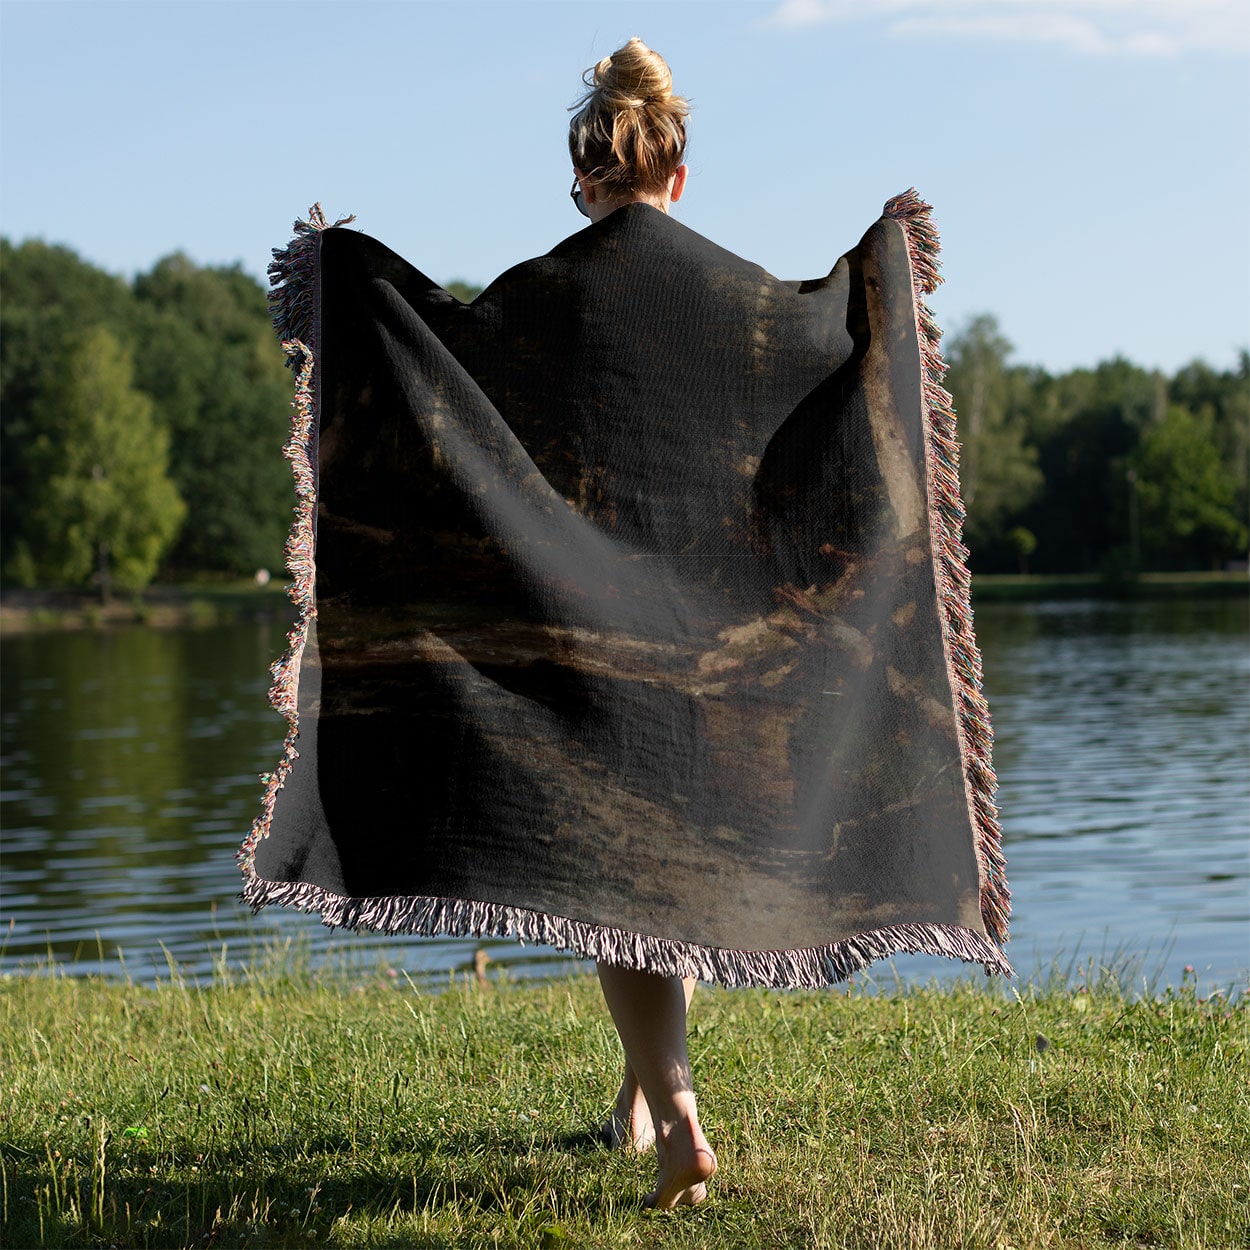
{"points": [[633, 77], [629, 129]]}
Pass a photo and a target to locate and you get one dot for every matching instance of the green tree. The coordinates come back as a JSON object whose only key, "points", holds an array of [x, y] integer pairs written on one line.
{"points": [[1024, 543], [1223, 400], [1087, 423], [101, 505], [1187, 493], [208, 358], [998, 467], [465, 292], [51, 297]]}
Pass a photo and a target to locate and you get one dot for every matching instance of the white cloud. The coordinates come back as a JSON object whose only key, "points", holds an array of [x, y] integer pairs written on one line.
{"points": [[1136, 28]]}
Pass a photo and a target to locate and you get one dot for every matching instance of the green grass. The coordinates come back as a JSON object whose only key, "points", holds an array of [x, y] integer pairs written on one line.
{"points": [[281, 1108], [1030, 587], [200, 603]]}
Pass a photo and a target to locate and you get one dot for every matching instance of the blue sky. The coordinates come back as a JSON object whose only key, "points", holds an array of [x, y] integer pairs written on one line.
{"points": [[1087, 159]]}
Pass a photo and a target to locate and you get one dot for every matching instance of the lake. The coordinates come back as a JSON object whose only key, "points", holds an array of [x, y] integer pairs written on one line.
{"points": [[131, 759]]}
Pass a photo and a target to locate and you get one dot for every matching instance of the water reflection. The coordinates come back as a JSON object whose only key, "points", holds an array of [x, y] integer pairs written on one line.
{"points": [[131, 760]]}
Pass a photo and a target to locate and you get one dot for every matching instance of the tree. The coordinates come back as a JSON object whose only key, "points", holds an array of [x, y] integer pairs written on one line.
{"points": [[1187, 493], [1087, 423], [1223, 400], [465, 292], [101, 505], [51, 297], [208, 357], [1024, 543], [998, 468]]}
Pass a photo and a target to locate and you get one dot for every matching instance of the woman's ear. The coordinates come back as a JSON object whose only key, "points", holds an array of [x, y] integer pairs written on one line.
{"points": [[678, 184], [588, 186]]}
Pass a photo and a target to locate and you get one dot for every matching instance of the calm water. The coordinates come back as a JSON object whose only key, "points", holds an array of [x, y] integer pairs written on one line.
{"points": [[1123, 748]]}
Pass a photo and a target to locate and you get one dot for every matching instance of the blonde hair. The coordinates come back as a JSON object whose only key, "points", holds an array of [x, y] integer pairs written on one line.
{"points": [[629, 131]]}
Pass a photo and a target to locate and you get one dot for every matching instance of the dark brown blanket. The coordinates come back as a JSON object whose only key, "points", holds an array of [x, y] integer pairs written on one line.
{"points": [[634, 615]]}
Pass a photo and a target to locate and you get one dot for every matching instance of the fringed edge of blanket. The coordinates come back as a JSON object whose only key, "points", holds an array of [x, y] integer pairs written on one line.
{"points": [[954, 583], [293, 277], [809, 968], [293, 303]]}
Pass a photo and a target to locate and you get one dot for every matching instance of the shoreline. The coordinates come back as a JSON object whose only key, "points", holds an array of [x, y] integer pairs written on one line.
{"points": [[161, 607], [195, 604], [1036, 587]]}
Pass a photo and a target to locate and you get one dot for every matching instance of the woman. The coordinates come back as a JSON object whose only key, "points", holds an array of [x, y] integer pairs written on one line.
{"points": [[628, 144], [633, 613]]}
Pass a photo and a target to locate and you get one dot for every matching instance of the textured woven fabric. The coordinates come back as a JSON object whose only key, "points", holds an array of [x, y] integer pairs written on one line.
{"points": [[634, 616]]}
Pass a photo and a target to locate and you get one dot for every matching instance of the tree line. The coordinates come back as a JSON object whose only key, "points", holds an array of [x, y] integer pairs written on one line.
{"points": [[140, 424], [1113, 470]]}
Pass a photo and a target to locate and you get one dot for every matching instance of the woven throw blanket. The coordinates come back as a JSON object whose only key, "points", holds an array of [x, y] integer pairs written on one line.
{"points": [[634, 618]]}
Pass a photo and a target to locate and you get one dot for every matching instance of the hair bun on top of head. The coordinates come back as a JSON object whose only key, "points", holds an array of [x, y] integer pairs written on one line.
{"points": [[632, 77], [629, 130]]}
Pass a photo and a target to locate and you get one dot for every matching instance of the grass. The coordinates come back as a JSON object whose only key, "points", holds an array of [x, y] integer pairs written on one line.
{"points": [[1030, 587], [200, 603], [283, 1108]]}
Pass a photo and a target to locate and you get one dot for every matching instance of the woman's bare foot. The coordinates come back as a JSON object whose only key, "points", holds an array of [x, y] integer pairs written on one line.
{"points": [[649, 1011], [686, 1165], [629, 1126]]}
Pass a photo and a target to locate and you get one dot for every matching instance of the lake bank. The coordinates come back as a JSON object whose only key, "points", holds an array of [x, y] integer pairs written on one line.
{"points": [[223, 603], [167, 607], [283, 1109], [1036, 588]]}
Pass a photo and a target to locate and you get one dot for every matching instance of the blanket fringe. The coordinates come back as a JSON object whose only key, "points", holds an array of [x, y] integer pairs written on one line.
{"points": [[293, 303], [809, 968], [954, 583]]}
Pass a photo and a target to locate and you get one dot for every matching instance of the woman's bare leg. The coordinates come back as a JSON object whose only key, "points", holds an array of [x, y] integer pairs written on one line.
{"points": [[649, 1012], [629, 1126]]}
